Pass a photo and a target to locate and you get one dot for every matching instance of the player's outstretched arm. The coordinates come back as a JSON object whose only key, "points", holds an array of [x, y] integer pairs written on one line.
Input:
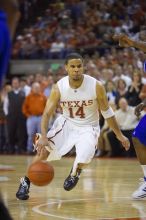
{"points": [[108, 114], [126, 41], [48, 112]]}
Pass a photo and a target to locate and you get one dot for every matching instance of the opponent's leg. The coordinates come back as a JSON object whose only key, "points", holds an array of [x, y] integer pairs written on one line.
{"points": [[140, 149]]}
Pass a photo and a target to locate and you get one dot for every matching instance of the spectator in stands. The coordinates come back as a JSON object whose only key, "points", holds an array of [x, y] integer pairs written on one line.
{"points": [[107, 74], [121, 90], [33, 108], [2, 123], [120, 75], [30, 79], [57, 49], [135, 89], [24, 87], [104, 148], [50, 82], [144, 78], [82, 25], [29, 48], [142, 94], [111, 90], [3, 120], [127, 121], [38, 77], [16, 122], [128, 70]]}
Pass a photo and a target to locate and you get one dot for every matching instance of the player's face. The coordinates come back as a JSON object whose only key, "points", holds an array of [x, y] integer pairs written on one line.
{"points": [[74, 68]]}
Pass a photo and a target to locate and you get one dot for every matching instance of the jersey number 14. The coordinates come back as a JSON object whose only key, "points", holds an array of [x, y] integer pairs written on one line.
{"points": [[79, 112]]}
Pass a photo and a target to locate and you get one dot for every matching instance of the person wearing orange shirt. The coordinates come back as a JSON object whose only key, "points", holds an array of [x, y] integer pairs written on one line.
{"points": [[33, 108]]}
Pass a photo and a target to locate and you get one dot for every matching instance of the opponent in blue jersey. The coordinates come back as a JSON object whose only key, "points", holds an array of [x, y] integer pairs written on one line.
{"points": [[5, 45], [139, 134], [9, 15]]}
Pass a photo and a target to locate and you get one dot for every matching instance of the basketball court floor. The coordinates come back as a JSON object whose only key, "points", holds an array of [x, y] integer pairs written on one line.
{"points": [[103, 192]]}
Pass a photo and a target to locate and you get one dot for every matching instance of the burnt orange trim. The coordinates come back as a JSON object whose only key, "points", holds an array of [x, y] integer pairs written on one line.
{"points": [[56, 133]]}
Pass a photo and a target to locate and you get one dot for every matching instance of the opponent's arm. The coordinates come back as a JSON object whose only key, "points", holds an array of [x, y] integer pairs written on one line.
{"points": [[139, 108], [108, 114], [126, 41], [138, 44]]}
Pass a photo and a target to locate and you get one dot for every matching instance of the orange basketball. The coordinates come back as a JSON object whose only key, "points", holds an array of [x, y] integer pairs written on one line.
{"points": [[41, 173]]}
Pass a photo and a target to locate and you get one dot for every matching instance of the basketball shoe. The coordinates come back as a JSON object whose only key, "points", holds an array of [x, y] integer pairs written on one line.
{"points": [[140, 193], [23, 191], [71, 181]]}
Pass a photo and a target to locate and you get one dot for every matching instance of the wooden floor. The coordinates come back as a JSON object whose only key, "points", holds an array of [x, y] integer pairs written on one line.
{"points": [[103, 192]]}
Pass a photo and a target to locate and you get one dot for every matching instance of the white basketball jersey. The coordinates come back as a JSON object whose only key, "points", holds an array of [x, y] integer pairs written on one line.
{"points": [[79, 105]]}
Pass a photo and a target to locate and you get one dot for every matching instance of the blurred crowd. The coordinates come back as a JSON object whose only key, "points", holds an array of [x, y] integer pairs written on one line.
{"points": [[69, 25]]}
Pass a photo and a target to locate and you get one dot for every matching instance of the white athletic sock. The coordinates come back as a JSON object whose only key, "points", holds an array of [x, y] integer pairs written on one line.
{"points": [[144, 170]]}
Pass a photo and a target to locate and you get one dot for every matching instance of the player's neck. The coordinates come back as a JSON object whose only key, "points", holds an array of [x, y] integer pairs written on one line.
{"points": [[76, 84]]}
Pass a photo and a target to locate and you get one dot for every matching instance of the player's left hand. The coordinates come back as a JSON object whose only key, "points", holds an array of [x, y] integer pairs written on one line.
{"points": [[124, 141]]}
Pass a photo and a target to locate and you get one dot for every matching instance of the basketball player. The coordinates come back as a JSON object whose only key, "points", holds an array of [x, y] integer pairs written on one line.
{"points": [[139, 134], [9, 15], [80, 96]]}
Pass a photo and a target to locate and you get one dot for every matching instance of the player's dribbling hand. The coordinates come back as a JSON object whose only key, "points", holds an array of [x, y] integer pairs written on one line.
{"points": [[124, 141], [41, 143]]}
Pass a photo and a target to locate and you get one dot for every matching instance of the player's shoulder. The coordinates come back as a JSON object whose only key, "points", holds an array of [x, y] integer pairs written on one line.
{"points": [[88, 77], [55, 92]]}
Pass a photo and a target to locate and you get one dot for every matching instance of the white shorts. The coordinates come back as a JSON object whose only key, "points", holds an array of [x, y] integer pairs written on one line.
{"points": [[64, 135]]}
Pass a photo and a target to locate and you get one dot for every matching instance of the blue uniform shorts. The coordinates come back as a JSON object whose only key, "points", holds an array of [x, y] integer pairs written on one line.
{"points": [[5, 45], [140, 130]]}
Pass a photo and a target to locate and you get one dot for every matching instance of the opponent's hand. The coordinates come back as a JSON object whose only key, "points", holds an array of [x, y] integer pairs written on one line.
{"points": [[124, 40], [124, 141], [138, 109]]}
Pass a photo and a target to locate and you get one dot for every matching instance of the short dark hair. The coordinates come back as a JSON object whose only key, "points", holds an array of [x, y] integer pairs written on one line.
{"points": [[73, 56]]}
